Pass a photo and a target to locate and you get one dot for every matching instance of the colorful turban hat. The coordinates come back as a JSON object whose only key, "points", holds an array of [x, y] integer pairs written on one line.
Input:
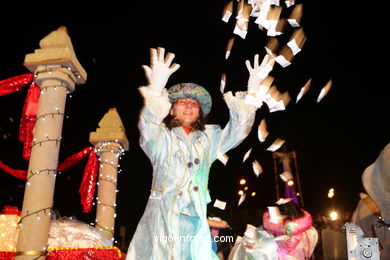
{"points": [[194, 91]]}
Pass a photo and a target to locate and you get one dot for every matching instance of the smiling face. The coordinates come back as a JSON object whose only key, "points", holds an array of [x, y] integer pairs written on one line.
{"points": [[186, 110]]}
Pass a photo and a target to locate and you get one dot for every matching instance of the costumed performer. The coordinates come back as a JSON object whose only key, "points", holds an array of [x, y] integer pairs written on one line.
{"points": [[181, 149], [286, 234]]}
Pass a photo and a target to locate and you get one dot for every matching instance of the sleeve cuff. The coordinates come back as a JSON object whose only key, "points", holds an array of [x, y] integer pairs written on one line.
{"points": [[157, 106], [237, 106]]}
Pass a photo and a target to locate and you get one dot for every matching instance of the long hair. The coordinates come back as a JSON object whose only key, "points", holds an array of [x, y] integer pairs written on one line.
{"points": [[199, 124], [291, 210]]}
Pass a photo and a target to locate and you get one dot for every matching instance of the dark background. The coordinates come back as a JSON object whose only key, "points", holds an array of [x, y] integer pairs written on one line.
{"points": [[335, 140]]}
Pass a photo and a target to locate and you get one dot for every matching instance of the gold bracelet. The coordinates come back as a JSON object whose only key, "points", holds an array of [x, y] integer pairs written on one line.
{"points": [[30, 253]]}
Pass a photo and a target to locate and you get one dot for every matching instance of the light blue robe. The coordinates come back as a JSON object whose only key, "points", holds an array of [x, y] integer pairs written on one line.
{"points": [[174, 224]]}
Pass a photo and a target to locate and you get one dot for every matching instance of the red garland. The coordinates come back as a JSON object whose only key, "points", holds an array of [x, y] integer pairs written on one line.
{"points": [[7, 255], [88, 183], [20, 174], [84, 253], [74, 159], [8, 86], [10, 210], [78, 253], [30, 108], [29, 116]]}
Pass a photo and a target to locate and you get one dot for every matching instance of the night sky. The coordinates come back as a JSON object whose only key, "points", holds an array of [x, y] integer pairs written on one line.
{"points": [[335, 140]]}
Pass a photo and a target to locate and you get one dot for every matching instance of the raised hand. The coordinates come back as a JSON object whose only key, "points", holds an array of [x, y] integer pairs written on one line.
{"points": [[258, 73], [160, 69]]}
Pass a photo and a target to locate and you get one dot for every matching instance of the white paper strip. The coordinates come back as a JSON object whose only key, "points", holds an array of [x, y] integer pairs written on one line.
{"points": [[293, 22], [227, 54], [282, 201], [293, 46], [300, 94], [286, 176], [289, 3], [270, 101], [257, 168], [220, 204], [227, 11], [276, 145], [262, 132], [278, 107], [268, 51], [303, 90], [222, 87], [282, 61], [262, 91], [324, 91], [272, 28], [262, 15], [223, 158], [226, 16], [242, 198], [246, 156], [239, 32]]}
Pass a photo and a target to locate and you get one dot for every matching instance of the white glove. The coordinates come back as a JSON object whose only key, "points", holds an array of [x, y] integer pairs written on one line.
{"points": [[258, 73], [160, 70]]}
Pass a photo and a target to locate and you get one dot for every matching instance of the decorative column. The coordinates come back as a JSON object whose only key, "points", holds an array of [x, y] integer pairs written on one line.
{"points": [[57, 71], [110, 142]]}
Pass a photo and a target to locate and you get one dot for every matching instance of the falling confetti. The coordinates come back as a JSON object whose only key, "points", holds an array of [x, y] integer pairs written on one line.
{"points": [[223, 83], [324, 91], [257, 168], [303, 90], [242, 198], [227, 12], [243, 13], [246, 156], [262, 132], [286, 176], [276, 145], [296, 16], [223, 158], [229, 47], [220, 204]]}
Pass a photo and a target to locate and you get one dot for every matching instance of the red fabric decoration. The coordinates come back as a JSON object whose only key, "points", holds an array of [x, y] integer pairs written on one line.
{"points": [[76, 253], [20, 174], [10, 210], [8, 86], [29, 116], [74, 159], [6, 255], [88, 183], [84, 253]]}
